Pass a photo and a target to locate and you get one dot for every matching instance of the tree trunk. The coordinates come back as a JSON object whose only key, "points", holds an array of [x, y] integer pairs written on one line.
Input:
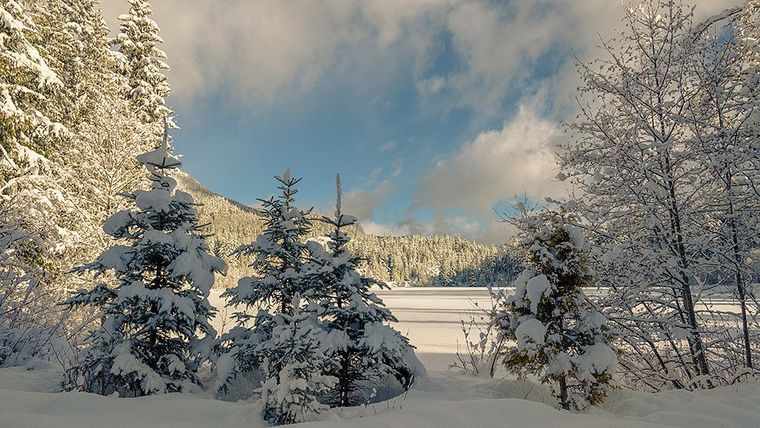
{"points": [[740, 285], [563, 401]]}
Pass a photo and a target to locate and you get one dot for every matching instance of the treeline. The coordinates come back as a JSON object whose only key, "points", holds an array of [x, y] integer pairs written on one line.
{"points": [[401, 260]]}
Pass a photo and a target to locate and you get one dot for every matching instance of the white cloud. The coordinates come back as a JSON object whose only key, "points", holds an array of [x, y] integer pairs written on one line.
{"points": [[262, 51], [431, 85], [493, 231], [372, 228], [497, 165], [259, 51], [520, 157], [389, 146], [363, 203]]}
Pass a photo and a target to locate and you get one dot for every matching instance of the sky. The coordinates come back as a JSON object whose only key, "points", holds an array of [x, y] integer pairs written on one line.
{"points": [[434, 112]]}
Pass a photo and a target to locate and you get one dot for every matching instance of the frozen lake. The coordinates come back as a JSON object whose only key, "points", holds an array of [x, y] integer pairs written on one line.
{"points": [[431, 317]]}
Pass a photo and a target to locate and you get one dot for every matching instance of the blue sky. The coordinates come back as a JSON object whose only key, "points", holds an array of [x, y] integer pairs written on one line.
{"points": [[432, 111]]}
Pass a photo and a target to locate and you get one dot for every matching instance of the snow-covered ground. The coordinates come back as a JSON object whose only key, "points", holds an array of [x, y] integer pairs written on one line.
{"points": [[431, 318]]}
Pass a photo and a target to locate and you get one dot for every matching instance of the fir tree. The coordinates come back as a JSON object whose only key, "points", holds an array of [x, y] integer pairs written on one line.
{"points": [[364, 348], [138, 41], [282, 342], [558, 335], [279, 255], [32, 205], [155, 330], [76, 40], [294, 365], [26, 81], [96, 161]]}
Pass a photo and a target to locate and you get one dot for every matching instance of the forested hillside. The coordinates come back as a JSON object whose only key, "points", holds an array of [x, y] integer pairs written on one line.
{"points": [[403, 260]]}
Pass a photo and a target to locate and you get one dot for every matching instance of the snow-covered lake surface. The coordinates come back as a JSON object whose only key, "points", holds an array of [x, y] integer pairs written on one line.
{"points": [[431, 318]]}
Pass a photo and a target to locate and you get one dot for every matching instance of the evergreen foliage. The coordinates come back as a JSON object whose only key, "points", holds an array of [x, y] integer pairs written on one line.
{"points": [[138, 42], [155, 330], [558, 334], [293, 364], [283, 341], [364, 347]]}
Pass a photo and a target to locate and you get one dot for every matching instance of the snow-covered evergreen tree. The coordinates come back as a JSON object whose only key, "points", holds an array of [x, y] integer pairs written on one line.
{"points": [[365, 348], [279, 255], [32, 205], [558, 334], [26, 80], [294, 367], [102, 131], [155, 330], [138, 41], [76, 40], [282, 341]]}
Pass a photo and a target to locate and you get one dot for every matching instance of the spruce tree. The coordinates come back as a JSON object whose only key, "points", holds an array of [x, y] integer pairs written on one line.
{"points": [[76, 40], [26, 81], [558, 335], [155, 330], [364, 348], [138, 41], [279, 255], [282, 341], [97, 159], [294, 366], [32, 205]]}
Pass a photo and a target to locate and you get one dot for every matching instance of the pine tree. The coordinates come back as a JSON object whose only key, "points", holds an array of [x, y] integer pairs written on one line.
{"points": [[364, 347], [558, 335], [155, 330], [138, 41]]}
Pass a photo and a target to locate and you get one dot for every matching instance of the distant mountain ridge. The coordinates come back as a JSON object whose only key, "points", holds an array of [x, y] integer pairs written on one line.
{"points": [[413, 260], [190, 184]]}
